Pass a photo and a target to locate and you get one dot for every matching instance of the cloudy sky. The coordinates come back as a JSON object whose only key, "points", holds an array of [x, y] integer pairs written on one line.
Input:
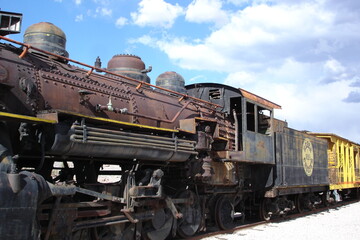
{"points": [[303, 55]]}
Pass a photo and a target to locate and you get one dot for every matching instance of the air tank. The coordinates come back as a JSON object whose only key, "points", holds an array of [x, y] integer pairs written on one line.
{"points": [[129, 65], [48, 37], [172, 81]]}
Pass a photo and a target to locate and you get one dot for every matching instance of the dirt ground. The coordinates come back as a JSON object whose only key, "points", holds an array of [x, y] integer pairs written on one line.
{"points": [[339, 223]]}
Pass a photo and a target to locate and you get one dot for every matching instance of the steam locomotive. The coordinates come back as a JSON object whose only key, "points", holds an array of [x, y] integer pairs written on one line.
{"points": [[182, 158]]}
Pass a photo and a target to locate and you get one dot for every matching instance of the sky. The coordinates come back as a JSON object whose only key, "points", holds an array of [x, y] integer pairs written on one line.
{"points": [[303, 55]]}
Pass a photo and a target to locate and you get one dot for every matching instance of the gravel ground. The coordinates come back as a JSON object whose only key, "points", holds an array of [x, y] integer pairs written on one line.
{"points": [[340, 223]]}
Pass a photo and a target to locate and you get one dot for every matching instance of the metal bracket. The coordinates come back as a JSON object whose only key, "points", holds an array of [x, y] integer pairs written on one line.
{"points": [[171, 206]]}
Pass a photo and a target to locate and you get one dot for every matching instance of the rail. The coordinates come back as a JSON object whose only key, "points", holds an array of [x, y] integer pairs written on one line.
{"points": [[92, 68]]}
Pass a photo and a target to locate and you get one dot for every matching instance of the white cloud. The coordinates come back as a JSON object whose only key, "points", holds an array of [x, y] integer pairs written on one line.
{"points": [[103, 11], [195, 58], [100, 12], [263, 24], [334, 66], [353, 97], [146, 40], [326, 46], [313, 107], [156, 13], [202, 11], [121, 21], [79, 18], [102, 2], [239, 2], [299, 54], [197, 78], [307, 104], [335, 71], [77, 2], [239, 79], [254, 36]]}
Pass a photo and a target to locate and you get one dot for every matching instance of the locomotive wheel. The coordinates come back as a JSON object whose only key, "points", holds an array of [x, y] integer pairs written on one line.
{"points": [[324, 199], [299, 203], [189, 224], [264, 212], [224, 213], [82, 234], [117, 231], [160, 226]]}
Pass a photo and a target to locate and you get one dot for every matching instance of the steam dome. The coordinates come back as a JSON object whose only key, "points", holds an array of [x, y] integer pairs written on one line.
{"points": [[130, 66], [48, 37], [172, 81]]}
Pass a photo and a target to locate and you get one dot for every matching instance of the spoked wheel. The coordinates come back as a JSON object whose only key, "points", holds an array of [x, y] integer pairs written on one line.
{"points": [[264, 211], [299, 203], [189, 224], [160, 226], [117, 231], [224, 213], [325, 199], [355, 193], [82, 234]]}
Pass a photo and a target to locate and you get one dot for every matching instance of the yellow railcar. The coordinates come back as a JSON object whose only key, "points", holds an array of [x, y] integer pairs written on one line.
{"points": [[344, 162]]}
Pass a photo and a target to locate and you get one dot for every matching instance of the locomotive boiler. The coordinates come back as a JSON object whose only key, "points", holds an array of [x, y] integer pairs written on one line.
{"points": [[183, 157]]}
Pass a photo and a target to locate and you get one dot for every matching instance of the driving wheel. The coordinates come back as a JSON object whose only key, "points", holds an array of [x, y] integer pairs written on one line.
{"points": [[264, 211], [160, 226], [224, 213], [190, 222]]}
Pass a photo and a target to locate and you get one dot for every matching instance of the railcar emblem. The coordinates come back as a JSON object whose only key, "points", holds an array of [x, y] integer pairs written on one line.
{"points": [[308, 157]]}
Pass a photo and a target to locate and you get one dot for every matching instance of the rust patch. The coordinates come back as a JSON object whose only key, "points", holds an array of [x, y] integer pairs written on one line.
{"points": [[3, 74], [261, 144]]}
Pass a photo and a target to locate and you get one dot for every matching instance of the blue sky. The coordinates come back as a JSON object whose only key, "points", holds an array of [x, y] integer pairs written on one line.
{"points": [[303, 55]]}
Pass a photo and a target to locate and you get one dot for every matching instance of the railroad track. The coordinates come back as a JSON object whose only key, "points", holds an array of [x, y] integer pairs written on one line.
{"points": [[284, 218]]}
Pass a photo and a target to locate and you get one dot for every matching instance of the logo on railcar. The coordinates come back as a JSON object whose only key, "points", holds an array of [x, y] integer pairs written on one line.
{"points": [[308, 157]]}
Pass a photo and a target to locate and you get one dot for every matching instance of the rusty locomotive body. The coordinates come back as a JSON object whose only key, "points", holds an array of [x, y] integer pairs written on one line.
{"points": [[204, 154]]}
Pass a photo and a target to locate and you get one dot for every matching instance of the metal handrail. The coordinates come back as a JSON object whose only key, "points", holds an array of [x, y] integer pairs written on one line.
{"points": [[92, 68]]}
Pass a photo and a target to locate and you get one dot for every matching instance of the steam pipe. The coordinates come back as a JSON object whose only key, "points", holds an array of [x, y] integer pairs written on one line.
{"points": [[100, 107]]}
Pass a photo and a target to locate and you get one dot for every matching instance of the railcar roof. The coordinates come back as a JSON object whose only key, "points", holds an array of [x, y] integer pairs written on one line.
{"points": [[259, 99], [329, 135], [255, 98]]}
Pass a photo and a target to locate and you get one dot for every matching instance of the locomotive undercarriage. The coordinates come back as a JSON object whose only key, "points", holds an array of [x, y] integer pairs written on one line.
{"points": [[282, 205], [152, 199]]}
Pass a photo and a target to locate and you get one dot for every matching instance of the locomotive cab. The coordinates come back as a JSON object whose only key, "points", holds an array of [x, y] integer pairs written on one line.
{"points": [[252, 117]]}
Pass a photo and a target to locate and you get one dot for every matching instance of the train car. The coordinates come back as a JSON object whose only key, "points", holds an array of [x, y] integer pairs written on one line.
{"points": [[343, 164], [184, 157], [286, 168], [301, 176]]}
